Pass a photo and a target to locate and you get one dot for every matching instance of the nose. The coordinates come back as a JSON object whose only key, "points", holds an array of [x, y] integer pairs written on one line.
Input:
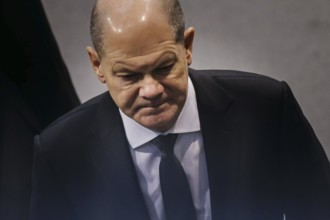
{"points": [[151, 88]]}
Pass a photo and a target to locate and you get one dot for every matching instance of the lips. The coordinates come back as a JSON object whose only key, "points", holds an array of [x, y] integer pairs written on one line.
{"points": [[152, 105], [156, 104]]}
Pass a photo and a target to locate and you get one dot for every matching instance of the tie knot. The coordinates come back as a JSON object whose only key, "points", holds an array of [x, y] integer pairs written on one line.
{"points": [[165, 143]]}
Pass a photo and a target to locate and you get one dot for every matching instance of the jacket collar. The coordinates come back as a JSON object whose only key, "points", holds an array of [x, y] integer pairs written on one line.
{"points": [[112, 158], [221, 136], [210, 94], [114, 167]]}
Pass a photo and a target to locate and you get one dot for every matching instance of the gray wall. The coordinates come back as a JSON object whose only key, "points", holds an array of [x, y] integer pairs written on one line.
{"points": [[287, 40]]}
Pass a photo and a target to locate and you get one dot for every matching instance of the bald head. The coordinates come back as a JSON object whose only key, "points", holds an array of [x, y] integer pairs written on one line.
{"points": [[121, 15]]}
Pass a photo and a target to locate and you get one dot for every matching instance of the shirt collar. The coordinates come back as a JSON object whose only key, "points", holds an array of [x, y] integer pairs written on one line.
{"points": [[138, 135]]}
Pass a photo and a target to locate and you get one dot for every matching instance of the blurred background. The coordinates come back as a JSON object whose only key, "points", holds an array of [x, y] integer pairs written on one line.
{"points": [[286, 40]]}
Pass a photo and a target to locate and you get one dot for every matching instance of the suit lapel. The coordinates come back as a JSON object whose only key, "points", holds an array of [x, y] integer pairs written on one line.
{"points": [[115, 188], [221, 138], [118, 188]]}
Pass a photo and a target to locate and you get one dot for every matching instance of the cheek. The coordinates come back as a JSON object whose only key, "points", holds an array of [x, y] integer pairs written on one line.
{"points": [[178, 83], [124, 97], [180, 72]]}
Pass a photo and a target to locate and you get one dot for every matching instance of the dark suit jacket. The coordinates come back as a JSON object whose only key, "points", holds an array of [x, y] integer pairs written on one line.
{"points": [[263, 158]]}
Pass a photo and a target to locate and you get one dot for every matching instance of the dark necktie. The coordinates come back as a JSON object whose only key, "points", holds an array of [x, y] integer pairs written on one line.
{"points": [[178, 203]]}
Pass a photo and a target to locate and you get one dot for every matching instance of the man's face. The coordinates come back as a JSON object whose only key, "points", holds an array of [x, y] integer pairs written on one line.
{"points": [[146, 72]]}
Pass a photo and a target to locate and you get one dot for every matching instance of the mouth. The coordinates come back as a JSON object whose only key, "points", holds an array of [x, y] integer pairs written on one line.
{"points": [[153, 107], [153, 104]]}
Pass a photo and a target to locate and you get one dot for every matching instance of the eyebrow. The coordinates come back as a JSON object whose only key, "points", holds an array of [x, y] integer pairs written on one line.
{"points": [[133, 66]]}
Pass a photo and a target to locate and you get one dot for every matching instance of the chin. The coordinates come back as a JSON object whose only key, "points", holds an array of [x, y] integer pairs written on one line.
{"points": [[158, 123]]}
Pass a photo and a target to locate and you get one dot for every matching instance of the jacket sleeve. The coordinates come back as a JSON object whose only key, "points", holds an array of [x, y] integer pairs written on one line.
{"points": [[48, 199], [305, 166]]}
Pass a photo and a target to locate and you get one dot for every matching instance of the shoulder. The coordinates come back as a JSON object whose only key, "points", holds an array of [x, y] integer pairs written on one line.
{"points": [[232, 76], [80, 120], [80, 111], [238, 83]]}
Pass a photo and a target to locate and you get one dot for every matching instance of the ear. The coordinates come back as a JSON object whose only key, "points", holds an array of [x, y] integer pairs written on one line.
{"points": [[96, 63], [188, 43]]}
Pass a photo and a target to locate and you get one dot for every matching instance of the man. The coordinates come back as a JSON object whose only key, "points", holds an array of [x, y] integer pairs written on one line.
{"points": [[245, 147]]}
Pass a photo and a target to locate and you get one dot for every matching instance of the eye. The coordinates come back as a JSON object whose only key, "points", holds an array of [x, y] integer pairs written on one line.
{"points": [[129, 76], [165, 69]]}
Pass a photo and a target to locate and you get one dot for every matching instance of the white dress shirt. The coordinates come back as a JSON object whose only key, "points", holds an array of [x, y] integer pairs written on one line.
{"points": [[189, 150]]}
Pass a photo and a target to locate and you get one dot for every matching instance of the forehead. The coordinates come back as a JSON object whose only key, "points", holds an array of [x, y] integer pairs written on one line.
{"points": [[141, 44], [151, 60], [136, 29]]}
